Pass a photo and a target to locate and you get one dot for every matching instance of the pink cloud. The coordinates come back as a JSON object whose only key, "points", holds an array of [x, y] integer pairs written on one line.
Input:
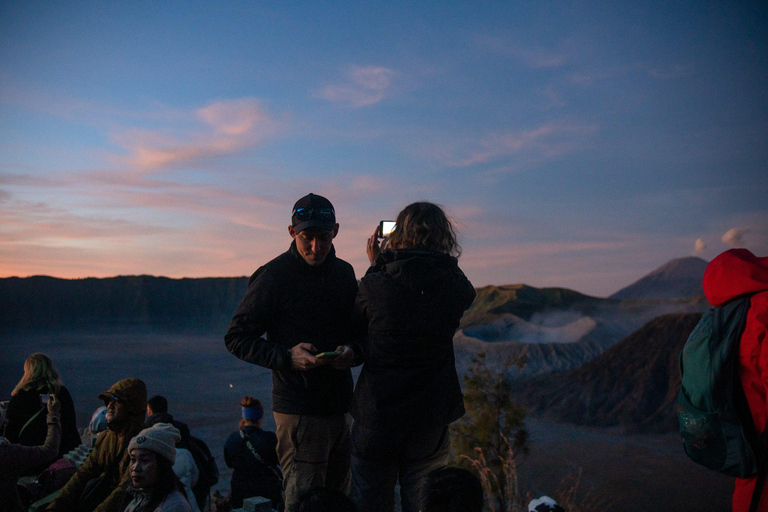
{"points": [[547, 141], [228, 127], [535, 57], [237, 117], [363, 86]]}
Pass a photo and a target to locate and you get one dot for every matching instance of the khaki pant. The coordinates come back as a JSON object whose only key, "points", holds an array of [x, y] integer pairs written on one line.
{"points": [[313, 452]]}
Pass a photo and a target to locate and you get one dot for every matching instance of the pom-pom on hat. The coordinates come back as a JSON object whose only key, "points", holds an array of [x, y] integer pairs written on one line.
{"points": [[160, 438]]}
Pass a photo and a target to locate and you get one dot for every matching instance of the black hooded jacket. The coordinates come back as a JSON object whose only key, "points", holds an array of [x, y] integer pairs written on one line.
{"points": [[411, 302], [290, 302]]}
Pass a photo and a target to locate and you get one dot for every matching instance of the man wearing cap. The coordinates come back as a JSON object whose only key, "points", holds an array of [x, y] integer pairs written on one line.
{"points": [[298, 306], [126, 403]]}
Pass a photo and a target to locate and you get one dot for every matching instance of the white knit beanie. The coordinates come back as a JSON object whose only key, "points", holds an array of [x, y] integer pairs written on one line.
{"points": [[160, 438]]}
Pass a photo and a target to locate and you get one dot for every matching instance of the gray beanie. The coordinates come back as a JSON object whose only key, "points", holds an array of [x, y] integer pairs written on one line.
{"points": [[160, 438]]}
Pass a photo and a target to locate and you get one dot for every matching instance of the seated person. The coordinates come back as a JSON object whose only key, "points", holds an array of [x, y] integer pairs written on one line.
{"points": [[25, 416], [154, 486], [126, 403], [252, 453], [15, 458]]}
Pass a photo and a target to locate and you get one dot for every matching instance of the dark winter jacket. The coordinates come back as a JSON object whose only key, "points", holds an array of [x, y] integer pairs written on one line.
{"points": [[110, 446], [250, 477], [731, 274], [15, 459], [411, 303], [290, 302], [25, 404]]}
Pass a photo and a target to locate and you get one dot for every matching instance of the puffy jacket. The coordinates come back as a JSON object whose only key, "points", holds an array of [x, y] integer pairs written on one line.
{"points": [[186, 469], [110, 446], [173, 502], [410, 303], [290, 302], [731, 274]]}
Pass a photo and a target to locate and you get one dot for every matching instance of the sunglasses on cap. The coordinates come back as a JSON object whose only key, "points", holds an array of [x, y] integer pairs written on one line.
{"points": [[304, 214], [113, 398]]}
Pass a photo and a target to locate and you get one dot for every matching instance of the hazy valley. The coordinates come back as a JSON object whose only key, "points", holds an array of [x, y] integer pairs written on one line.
{"points": [[599, 381]]}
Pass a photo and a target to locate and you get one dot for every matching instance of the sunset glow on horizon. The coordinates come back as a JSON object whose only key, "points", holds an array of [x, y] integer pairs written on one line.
{"points": [[577, 144]]}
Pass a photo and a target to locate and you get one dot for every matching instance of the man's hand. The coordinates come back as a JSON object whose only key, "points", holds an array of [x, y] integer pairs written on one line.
{"points": [[302, 358], [344, 360]]}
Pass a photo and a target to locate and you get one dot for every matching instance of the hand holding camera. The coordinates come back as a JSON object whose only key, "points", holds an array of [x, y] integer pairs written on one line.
{"points": [[53, 404]]}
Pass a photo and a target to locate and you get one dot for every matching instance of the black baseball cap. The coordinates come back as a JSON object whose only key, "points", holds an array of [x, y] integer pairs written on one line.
{"points": [[313, 211]]}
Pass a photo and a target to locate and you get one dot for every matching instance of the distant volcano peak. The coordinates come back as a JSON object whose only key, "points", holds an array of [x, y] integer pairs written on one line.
{"points": [[680, 277]]}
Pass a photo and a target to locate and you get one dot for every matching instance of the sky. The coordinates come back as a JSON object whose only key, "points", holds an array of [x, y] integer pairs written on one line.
{"points": [[577, 144]]}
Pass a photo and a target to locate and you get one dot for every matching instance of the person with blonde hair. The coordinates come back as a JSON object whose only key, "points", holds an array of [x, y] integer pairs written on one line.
{"points": [[26, 416], [15, 459], [409, 307], [252, 453]]}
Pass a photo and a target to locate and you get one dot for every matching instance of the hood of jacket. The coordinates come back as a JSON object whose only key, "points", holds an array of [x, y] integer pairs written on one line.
{"points": [[134, 393], [732, 273], [420, 270]]}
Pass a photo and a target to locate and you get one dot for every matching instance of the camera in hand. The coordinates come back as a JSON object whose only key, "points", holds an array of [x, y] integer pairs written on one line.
{"points": [[44, 399]]}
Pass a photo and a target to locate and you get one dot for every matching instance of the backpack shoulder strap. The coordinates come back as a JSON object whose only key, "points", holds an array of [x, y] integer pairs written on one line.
{"points": [[30, 420], [275, 471], [251, 448]]}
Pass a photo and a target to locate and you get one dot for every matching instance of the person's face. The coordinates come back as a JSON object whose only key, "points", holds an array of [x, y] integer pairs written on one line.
{"points": [[143, 467], [314, 244], [117, 411]]}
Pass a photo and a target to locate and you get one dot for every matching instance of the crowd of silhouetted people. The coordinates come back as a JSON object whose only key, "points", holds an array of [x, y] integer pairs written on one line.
{"points": [[142, 457]]}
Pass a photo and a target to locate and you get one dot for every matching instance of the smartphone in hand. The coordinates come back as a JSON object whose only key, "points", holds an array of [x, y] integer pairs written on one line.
{"points": [[328, 355], [385, 228]]}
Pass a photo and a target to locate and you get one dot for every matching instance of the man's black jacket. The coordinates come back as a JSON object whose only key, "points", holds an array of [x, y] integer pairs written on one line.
{"points": [[290, 302]]}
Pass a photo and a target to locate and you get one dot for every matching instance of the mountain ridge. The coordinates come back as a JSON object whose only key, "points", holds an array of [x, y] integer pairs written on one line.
{"points": [[634, 384], [144, 302]]}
